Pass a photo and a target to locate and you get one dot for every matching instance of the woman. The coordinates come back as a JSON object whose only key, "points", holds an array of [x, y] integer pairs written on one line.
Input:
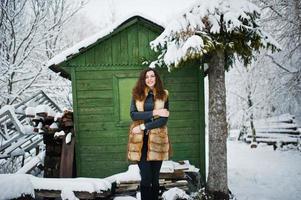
{"points": [[148, 139]]}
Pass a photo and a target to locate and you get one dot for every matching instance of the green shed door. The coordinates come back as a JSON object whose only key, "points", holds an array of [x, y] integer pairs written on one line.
{"points": [[123, 94], [125, 86]]}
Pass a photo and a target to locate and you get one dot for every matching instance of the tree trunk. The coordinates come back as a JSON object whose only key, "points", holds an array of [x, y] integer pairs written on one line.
{"points": [[217, 184], [250, 104]]}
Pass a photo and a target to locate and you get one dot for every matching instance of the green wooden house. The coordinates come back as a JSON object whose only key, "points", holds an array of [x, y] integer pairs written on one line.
{"points": [[103, 70]]}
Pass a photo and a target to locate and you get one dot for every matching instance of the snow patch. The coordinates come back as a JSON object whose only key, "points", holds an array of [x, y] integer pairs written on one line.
{"points": [[15, 185], [174, 194]]}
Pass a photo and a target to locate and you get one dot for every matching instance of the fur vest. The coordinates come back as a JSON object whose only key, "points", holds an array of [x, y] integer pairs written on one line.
{"points": [[158, 141]]}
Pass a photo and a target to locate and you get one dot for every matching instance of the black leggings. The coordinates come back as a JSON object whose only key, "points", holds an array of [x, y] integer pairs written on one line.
{"points": [[149, 170]]}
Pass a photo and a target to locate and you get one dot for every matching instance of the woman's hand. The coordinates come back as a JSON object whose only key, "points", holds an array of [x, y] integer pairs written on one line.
{"points": [[136, 130], [161, 112]]}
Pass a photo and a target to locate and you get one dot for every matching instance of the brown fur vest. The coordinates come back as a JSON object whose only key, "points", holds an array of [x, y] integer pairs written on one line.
{"points": [[158, 141]]}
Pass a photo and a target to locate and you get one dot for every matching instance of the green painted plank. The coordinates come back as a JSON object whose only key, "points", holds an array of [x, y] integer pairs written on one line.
{"points": [[143, 43], [99, 53], [93, 74], [90, 157], [183, 87], [102, 169], [202, 125], [183, 115], [183, 106], [183, 95], [95, 94], [184, 138], [185, 146], [152, 36], [133, 44], [75, 117], [79, 60], [90, 56], [117, 132], [194, 123], [95, 110], [189, 131], [124, 56], [90, 126], [116, 49], [173, 80], [108, 51], [96, 118], [103, 84], [102, 102], [108, 141], [103, 149]]}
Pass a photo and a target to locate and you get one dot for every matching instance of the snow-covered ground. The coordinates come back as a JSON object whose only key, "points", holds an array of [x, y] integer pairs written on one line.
{"points": [[254, 174], [262, 173]]}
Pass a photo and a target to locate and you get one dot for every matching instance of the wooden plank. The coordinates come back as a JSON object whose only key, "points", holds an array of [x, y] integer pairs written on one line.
{"points": [[193, 124], [102, 169], [186, 146], [94, 94], [76, 113], [95, 110], [184, 106], [202, 147], [133, 44], [67, 157], [109, 117], [183, 96], [178, 131], [116, 40], [105, 156], [90, 56], [117, 132], [78, 194], [151, 36], [78, 60], [124, 57], [184, 138], [103, 148], [143, 43], [108, 51], [183, 87], [169, 80], [87, 103], [97, 126], [108, 141], [100, 84], [93, 75], [177, 115]]}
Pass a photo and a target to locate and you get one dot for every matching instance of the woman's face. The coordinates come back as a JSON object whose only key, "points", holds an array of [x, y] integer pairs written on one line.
{"points": [[150, 79]]}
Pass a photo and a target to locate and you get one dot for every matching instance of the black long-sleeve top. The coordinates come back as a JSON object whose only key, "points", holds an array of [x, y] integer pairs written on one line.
{"points": [[147, 114]]}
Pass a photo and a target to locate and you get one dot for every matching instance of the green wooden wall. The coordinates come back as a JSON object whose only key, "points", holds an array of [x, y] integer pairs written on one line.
{"points": [[97, 73]]}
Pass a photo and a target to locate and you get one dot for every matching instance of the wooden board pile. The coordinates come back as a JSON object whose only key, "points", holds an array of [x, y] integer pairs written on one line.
{"points": [[48, 125], [279, 130], [180, 177]]}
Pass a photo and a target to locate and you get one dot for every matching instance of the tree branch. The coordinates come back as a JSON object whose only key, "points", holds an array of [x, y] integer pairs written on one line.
{"points": [[277, 64]]}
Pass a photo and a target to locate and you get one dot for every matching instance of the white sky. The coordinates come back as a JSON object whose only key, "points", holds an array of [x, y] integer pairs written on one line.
{"points": [[99, 11]]}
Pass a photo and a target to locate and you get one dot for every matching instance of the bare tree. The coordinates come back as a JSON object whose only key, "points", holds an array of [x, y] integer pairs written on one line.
{"points": [[283, 19], [29, 32]]}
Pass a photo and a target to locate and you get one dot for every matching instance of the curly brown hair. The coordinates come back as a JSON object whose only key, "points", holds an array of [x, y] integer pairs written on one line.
{"points": [[139, 89]]}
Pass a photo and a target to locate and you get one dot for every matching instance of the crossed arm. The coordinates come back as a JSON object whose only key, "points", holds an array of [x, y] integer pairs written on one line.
{"points": [[159, 116]]}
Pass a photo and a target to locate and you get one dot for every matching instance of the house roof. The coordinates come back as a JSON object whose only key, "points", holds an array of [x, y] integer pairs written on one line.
{"points": [[87, 43]]}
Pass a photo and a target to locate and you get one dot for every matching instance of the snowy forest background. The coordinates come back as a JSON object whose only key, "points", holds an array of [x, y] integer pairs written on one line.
{"points": [[34, 31]]}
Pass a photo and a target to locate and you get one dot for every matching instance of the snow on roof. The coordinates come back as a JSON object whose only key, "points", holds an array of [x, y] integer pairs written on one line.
{"points": [[91, 40]]}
